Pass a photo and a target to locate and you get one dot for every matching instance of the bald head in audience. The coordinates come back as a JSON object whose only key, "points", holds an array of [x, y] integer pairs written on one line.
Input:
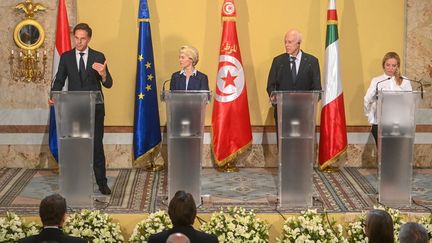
{"points": [[178, 238]]}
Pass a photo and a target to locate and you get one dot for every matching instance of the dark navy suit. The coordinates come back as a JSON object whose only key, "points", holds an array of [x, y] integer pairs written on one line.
{"points": [[68, 68], [198, 81], [52, 235]]}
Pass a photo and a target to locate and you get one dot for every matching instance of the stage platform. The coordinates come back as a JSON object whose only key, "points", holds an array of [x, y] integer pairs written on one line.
{"points": [[135, 193]]}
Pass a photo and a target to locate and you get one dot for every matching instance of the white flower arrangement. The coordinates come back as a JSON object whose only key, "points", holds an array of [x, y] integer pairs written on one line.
{"points": [[12, 228], [237, 225], [154, 223], [426, 221], [311, 226], [356, 230], [93, 226]]}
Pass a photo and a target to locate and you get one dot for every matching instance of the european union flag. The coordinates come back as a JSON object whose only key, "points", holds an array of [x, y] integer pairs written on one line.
{"points": [[147, 134], [52, 135]]}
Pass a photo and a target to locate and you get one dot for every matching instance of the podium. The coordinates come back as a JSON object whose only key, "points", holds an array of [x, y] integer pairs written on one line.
{"points": [[296, 114], [185, 123], [75, 116], [396, 131]]}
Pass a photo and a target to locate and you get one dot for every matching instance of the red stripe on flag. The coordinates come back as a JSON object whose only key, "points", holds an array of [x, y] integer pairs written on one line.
{"points": [[63, 42], [331, 14], [231, 129], [333, 135]]}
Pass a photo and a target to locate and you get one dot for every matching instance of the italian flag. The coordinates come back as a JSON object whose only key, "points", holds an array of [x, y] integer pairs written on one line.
{"points": [[333, 136]]}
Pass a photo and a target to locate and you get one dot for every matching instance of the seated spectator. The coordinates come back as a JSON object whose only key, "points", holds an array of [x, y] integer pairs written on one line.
{"points": [[182, 212], [379, 227], [52, 211], [178, 238], [413, 233]]}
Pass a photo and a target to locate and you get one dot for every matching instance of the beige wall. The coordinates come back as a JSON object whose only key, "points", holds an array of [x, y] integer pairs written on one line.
{"points": [[367, 29]]}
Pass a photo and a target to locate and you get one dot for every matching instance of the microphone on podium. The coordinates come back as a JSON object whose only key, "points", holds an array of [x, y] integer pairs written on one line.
{"points": [[416, 81], [376, 87], [163, 89]]}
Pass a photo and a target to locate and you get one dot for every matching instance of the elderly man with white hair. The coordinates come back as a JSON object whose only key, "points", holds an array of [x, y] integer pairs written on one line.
{"points": [[293, 70]]}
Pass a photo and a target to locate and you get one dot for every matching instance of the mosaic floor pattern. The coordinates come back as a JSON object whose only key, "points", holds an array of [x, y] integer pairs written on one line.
{"points": [[138, 191]]}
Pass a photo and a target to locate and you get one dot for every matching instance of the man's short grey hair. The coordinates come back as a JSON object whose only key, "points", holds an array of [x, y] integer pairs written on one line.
{"points": [[177, 238], [413, 233], [295, 32]]}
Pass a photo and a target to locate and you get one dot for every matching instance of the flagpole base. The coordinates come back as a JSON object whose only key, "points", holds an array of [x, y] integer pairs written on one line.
{"points": [[229, 167], [331, 169], [151, 167]]}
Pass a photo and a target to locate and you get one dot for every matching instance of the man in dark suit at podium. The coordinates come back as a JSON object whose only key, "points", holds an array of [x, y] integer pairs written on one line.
{"points": [[293, 70], [52, 211], [87, 70]]}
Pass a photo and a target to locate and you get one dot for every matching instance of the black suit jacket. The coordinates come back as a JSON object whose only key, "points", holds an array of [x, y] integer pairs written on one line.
{"points": [[196, 82], [52, 235], [308, 76], [68, 68], [194, 236]]}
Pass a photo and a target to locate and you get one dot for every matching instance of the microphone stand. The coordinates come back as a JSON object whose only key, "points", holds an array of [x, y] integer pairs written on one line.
{"points": [[416, 81], [376, 86]]}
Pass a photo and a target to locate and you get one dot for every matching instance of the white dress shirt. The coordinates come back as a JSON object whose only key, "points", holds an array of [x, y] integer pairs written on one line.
{"points": [[370, 102], [85, 57], [297, 61]]}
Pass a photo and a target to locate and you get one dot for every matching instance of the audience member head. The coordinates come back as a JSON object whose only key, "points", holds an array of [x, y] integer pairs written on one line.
{"points": [[379, 227], [177, 238], [413, 233], [182, 209], [52, 210]]}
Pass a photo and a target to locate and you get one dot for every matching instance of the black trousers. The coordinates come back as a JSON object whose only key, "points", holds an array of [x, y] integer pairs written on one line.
{"points": [[98, 149], [374, 132]]}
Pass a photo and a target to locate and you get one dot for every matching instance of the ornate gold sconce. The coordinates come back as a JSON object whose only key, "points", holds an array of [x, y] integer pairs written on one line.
{"points": [[28, 64]]}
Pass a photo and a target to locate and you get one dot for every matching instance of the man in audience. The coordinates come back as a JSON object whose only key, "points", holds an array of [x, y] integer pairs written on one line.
{"points": [[52, 211], [182, 212], [178, 238], [413, 233]]}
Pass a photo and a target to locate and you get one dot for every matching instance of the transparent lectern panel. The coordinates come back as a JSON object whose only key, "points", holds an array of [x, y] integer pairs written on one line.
{"points": [[185, 122], [297, 111], [397, 117], [396, 132], [75, 128], [76, 111], [296, 131], [184, 110]]}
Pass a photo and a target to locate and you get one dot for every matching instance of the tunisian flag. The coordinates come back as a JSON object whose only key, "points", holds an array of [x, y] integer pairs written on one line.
{"points": [[232, 132], [333, 135], [62, 45]]}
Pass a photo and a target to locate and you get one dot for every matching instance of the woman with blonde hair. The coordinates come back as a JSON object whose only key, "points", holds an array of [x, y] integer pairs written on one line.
{"points": [[188, 78], [391, 80]]}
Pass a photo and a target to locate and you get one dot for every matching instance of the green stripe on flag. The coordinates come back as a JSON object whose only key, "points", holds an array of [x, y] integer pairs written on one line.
{"points": [[332, 34]]}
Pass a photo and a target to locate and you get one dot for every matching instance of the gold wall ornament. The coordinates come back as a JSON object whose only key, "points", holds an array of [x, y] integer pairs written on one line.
{"points": [[29, 8], [29, 65]]}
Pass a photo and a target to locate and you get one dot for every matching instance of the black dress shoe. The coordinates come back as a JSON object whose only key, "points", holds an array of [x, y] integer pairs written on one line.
{"points": [[105, 190]]}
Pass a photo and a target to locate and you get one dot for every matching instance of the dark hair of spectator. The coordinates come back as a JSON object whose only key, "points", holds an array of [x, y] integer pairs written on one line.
{"points": [[182, 209], [85, 27], [379, 227], [52, 209], [413, 233]]}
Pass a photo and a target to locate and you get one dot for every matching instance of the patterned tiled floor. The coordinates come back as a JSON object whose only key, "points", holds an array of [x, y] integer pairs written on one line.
{"points": [[136, 191]]}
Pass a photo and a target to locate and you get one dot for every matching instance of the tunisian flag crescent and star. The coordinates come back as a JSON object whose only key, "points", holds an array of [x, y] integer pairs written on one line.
{"points": [[231, 127]]}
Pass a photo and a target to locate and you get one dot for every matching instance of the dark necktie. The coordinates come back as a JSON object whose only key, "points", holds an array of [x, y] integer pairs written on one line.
{"points": [[82, 67], [293, 69]]}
